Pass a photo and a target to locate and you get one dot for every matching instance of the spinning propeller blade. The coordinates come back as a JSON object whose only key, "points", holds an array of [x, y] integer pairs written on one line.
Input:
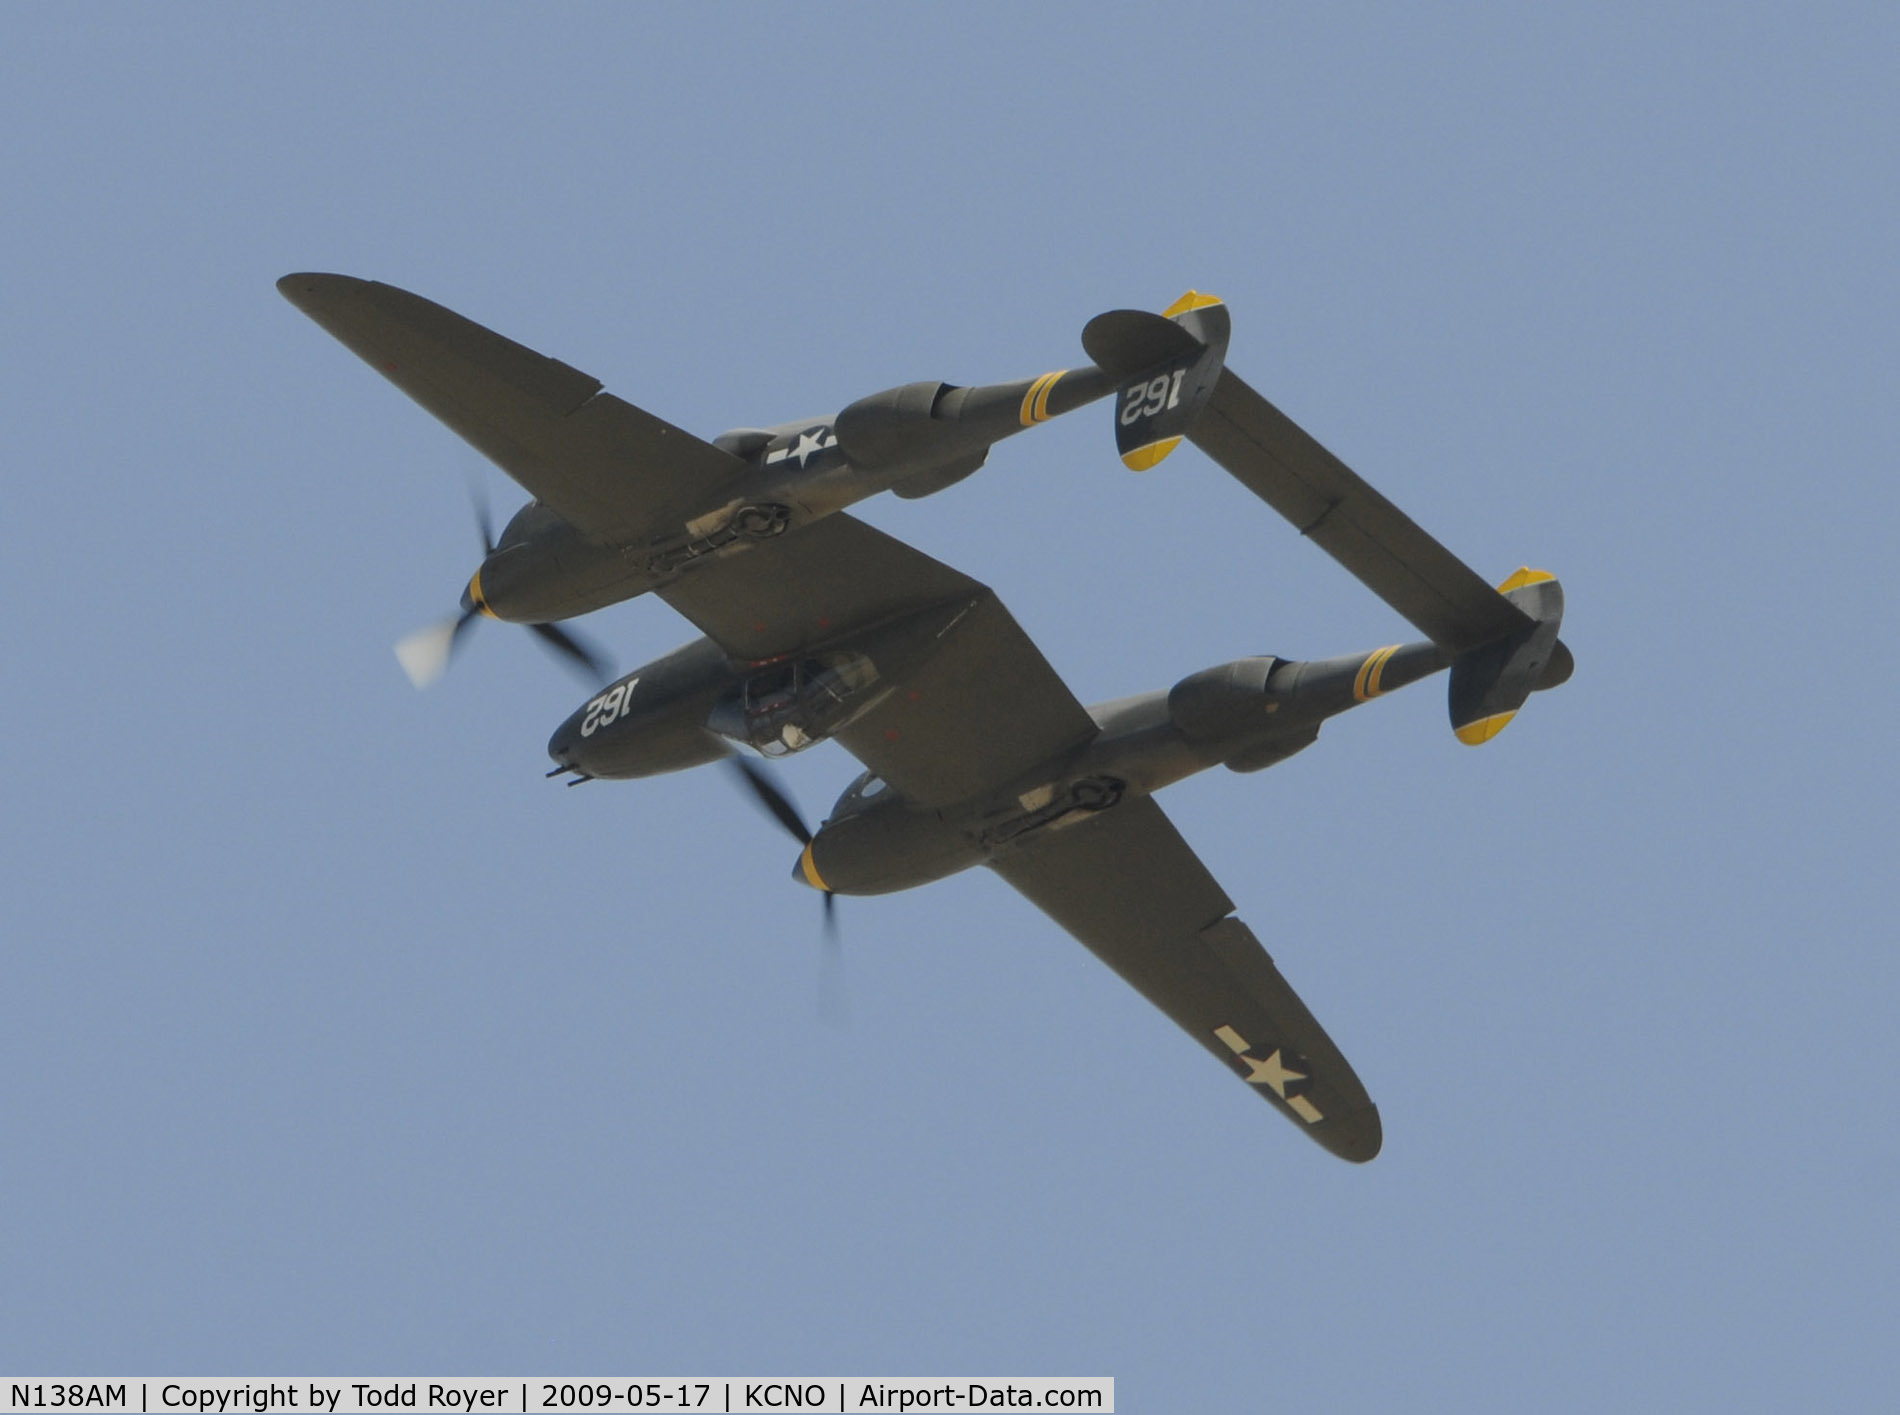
{"points": [[484, 525], [425, 654], [833, 1006], [594, 665], [834, 1000], [771, 795]]}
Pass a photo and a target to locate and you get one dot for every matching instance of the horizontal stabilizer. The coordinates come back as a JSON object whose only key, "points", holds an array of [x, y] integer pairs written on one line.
{"points": [[1333, 506], [1165, 367], [1489, 684]]}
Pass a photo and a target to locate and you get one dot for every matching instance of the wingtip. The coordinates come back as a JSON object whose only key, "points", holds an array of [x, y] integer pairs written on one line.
{"points": [[1358, 1138], [308, 288]]}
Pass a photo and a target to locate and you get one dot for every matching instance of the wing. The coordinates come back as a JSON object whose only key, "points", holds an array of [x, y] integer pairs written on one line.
{"points": [[608, 468], [1129, 887], [978, 705], [1332, 505]]}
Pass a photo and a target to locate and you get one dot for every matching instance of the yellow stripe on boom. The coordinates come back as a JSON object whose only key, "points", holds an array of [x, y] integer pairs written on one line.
{"points": [[1036, 401], [1366, 684], [1042, 398]]}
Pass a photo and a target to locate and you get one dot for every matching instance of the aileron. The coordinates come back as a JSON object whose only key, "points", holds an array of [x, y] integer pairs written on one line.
{"points": [[607, 467], [1131, 889]]}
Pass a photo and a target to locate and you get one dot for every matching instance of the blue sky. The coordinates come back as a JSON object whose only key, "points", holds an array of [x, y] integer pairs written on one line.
{"points": [[338, 1041]]}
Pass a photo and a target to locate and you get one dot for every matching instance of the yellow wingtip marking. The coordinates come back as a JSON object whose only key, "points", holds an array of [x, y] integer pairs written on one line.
{"points": [[1192, 300], [809, 869], [1476, 734], [1147, 458], [1525, 576]]}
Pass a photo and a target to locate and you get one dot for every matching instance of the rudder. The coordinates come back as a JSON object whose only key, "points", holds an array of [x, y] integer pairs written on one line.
{"points": [[1490, 683], [1165, 367]]}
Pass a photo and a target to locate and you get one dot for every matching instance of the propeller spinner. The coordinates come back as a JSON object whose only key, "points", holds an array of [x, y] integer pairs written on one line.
{"points": [[425, 654]]}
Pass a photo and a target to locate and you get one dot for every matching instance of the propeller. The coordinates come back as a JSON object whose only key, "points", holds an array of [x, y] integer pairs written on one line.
{"points": [[832, 1003], [425, 654]]}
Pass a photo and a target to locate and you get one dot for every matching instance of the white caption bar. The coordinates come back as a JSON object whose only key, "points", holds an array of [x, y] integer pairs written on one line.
{"points": [[517, 1395]]}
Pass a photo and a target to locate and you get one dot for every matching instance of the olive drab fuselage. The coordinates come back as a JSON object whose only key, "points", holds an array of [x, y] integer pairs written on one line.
{"points": [[695, 706]]}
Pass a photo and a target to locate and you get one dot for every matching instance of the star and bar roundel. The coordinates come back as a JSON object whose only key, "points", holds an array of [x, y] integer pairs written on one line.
{"points": [[1280, 1072]]}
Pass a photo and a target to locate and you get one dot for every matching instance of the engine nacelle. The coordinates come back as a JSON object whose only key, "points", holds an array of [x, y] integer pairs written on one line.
{"points": [[1254, 712], [545, 570], [926, 436], [1224, 703], [875, 842], [892, 426]]}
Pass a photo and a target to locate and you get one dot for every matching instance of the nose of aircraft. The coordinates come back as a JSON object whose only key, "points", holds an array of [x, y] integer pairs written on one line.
{"points": [[564, 747]]}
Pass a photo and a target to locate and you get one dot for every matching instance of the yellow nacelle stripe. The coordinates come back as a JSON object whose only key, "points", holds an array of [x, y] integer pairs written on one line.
{"points": [[809, 869], [475, 596]]}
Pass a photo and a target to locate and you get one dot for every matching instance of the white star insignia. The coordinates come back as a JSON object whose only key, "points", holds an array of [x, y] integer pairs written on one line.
{"points": [[1271, 1073], [819, 439], [811, 442]]}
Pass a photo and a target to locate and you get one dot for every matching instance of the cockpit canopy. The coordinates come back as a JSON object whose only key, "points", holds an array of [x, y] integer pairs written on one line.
{"points": [[784, 707]]}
